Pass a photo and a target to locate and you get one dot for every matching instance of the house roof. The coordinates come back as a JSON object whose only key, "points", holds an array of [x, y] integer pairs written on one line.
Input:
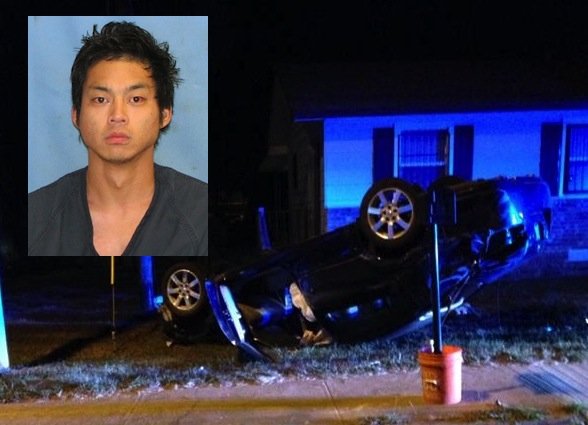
{"points": [[318, 91]]}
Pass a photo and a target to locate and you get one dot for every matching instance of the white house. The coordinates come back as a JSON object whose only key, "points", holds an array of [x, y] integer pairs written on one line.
{"points": [[473, 145]]}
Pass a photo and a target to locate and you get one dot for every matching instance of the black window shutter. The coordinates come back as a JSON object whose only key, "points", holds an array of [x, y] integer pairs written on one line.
{"points": [[551, 135], [383, 153], [463, 151]]}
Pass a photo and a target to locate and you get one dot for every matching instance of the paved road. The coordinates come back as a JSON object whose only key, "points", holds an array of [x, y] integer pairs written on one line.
{"points": [[329, 401]]}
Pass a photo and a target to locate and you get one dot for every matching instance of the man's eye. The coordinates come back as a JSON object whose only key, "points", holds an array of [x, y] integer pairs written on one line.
{"points": [[99, 99], [137, 99]]}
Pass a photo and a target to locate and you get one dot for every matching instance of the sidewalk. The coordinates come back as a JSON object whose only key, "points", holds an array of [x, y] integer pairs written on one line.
{"points": [[548, 387]]}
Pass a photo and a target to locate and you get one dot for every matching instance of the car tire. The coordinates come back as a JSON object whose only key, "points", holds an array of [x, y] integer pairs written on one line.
{"points": [[392, 214], [183, 290]]}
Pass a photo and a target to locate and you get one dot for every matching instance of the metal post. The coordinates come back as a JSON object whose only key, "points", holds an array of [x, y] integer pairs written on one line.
{"points": [[113, 332], [435, 297]]}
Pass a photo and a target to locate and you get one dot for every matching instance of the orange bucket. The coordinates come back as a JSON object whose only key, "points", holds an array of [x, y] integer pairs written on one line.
{"points": [[441, 375]]}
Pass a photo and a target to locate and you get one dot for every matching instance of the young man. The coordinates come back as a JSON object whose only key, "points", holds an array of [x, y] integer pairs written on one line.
{"points": [[122, 203]]}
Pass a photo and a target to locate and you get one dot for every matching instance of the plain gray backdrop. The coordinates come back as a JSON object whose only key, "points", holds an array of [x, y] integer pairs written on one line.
{"points": [[53, 145]]}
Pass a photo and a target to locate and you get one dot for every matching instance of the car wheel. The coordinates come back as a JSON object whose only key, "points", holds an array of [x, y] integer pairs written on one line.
{"points": [[183, 290], [392, 214]]}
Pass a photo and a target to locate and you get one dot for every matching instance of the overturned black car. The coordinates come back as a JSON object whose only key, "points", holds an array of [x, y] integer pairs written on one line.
{"points": [[371, 278]]}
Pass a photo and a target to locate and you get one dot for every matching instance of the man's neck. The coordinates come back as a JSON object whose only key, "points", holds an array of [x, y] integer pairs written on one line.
{"points": [[119, 185]]}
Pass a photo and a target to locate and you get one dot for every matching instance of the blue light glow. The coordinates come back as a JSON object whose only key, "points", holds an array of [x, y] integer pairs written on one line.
{"points": [[348, 160], [4, 362], [266, 316], [288, 307], [515, 217], [352, 311], [379, 303], [147, 281]]}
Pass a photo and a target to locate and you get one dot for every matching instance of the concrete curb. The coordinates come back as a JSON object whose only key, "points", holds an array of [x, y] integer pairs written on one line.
{"points": [[343, 400]]}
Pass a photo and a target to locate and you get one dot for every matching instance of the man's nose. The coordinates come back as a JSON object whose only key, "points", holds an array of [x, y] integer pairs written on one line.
{"points": [[118, 112]]}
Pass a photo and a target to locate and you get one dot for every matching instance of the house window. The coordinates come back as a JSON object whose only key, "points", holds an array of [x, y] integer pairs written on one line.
{"points": [[422, 155], [576, 169]]}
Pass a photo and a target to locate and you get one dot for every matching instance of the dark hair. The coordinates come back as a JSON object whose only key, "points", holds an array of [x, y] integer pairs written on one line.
{"points": [[126, 40]]}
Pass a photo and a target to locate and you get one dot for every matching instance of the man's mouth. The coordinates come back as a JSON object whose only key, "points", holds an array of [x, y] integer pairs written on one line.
{"points": [[117, 138]]}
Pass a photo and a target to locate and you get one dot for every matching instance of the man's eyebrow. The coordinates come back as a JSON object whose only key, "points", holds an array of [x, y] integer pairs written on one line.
{"points": [[138, 86], [128, 89], [99, 88]]}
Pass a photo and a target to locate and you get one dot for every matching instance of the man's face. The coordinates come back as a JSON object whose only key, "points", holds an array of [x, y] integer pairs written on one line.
{"points": [[119, 118]]}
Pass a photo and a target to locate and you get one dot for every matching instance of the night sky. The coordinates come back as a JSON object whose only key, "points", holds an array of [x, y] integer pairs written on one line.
{"points": [[245, 46]]}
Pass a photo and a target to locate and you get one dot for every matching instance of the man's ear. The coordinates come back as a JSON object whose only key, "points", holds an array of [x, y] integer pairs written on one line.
{"points": [[74, 118], [166, 117]]}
